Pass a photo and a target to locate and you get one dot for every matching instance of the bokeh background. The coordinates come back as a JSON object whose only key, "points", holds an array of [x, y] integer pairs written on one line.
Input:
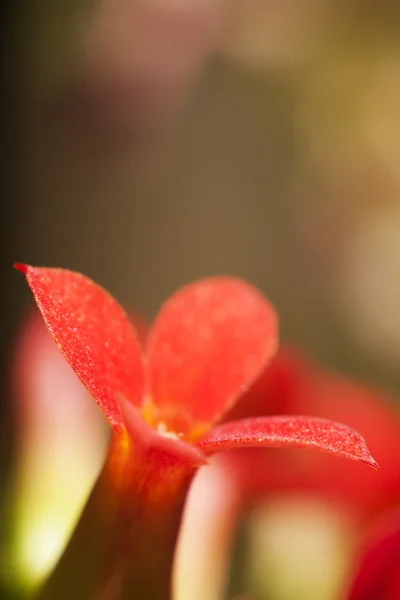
{"points": [[147, 144]]}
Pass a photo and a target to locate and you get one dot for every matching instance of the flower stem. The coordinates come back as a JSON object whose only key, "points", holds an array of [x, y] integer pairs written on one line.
{"points": [[124, 544]]}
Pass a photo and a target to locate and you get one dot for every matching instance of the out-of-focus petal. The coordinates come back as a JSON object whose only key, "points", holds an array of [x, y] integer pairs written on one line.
{"points": [[287, 431], [378, 573], [276, 389], [207, 534], [375, 415], [209, 343], [60, 447], [94, 335], [292, 384]]}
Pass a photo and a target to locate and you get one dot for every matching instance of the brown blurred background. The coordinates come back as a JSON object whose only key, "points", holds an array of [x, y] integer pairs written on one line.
{"points": [[160, 141], [150, 143]]}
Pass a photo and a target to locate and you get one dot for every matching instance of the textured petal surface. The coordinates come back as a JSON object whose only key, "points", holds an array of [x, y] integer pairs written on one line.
{"points": [[298, 432], [378, 573], [94, 335], [208, 344]]}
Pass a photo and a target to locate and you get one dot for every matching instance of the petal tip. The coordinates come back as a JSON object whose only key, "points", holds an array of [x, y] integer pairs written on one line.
{"points": [[371, 462], [21, 267]]}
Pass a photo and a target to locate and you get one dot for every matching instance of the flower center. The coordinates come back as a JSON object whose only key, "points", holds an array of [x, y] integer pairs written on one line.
{"points": [[162, 429], [164, 424], [170, 423]]}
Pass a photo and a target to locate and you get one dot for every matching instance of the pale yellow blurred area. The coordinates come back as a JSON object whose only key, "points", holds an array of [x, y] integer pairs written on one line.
{"points": [[350, 121], [368, 288], [298, 548]]}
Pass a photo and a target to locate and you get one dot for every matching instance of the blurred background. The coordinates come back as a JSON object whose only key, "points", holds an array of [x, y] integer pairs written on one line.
{"points": [[147, 143]]}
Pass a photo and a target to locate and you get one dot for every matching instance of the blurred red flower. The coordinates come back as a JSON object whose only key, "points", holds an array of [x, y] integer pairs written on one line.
{"points": [[294, 384], [378, 573]]}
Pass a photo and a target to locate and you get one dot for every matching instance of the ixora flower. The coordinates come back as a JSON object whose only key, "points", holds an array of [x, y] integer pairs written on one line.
{"points": [[209, 343]]}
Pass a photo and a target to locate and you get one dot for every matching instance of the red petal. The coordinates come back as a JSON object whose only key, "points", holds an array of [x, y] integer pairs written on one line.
{"points": [[208, 344], [94, 335], [295, 431], [378, 574]]}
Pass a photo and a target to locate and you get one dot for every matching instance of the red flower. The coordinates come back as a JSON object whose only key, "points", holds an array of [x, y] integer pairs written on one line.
{"points": [[210, 341], [378, 573]]}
